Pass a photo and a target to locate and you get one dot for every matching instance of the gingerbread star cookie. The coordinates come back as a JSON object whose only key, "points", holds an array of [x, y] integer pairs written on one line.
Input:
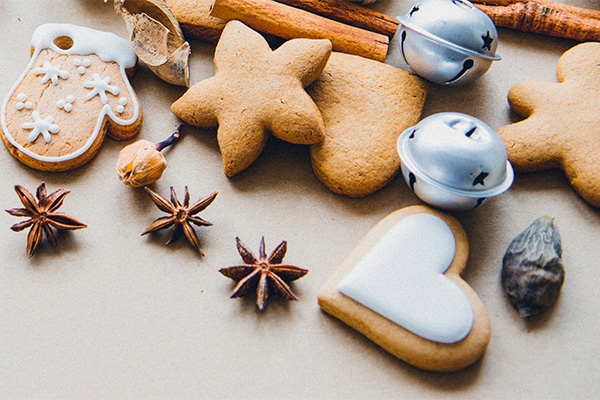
{"points": [[255, 91], [562, 125]]}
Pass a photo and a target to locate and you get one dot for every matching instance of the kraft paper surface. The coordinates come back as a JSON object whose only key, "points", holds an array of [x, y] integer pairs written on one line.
{"points": [[113, 315]]}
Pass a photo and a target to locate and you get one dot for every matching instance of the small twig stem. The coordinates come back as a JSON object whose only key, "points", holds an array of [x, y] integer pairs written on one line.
{"points": [[170, 140]]}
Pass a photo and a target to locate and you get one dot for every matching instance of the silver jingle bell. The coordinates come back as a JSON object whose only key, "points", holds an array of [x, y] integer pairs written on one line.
{"points": [[448, 41], [454, 161]]}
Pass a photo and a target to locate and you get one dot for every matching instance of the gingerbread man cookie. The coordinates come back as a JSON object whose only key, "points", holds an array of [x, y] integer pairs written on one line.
{"points": [[255, 91], [74, 90], [401, 287], [562, 125]]}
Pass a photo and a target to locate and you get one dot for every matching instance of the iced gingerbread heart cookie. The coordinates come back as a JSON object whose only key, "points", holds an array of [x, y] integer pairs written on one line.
{"points": [[74, 90], [401, 287]]}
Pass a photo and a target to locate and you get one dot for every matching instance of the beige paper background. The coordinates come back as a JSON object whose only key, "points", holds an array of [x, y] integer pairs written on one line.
{"points": [[110, 314]]}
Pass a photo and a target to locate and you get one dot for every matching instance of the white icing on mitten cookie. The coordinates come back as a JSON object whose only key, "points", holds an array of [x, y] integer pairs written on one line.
{"points": [[74, 90]]}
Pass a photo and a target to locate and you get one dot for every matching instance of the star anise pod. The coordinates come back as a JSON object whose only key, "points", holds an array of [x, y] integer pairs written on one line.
{"points": [[181, 216], [263, 273], [42, 215]]}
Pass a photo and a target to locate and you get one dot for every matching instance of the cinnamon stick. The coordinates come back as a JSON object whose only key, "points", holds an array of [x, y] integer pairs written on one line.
{"points": [[349, 13], [544, 17], [289, 22]]}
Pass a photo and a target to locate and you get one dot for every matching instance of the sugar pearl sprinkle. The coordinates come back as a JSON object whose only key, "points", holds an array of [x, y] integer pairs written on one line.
{"points": [[122, 104], [22, 103], [82, 65], [66, 104]]}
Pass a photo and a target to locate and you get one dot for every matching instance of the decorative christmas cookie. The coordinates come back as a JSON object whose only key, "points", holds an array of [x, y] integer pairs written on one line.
{"points": [[256, 91], [73, 90], [401, 287], [562, 125], [365, 106]]}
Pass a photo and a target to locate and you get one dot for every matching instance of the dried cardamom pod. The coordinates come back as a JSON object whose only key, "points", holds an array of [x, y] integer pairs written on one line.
{"points": [[532, 273]]}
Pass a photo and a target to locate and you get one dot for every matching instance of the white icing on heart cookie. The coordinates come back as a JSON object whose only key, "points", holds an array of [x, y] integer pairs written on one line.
{"points": [[402, 278], [55, 84]]}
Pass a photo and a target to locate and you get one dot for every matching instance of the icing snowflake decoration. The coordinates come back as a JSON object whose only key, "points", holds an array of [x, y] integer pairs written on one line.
{"points": [[41, 127], [51, 72], [100, 87]]}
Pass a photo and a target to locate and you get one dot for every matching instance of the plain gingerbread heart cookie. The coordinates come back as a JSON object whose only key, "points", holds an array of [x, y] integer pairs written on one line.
{"points": [[74, 90], [365, 105], [255, 91], [401, 288], [562, 125]]}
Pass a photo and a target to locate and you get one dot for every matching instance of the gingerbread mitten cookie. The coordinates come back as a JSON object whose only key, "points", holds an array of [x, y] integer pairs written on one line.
{"points": [[562, 125], [255, 91], [74, 90]]}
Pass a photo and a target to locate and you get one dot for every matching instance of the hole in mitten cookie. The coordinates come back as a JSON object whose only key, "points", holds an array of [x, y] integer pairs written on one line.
{"points": [[63, 42]]}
